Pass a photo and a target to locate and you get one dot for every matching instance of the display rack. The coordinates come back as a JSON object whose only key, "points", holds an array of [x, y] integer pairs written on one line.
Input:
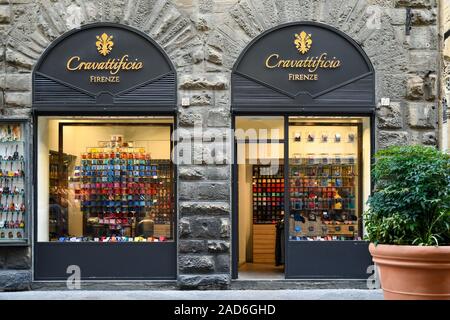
{"points": [[323, 198], [118, 187], [268, 194], [13, 186]]}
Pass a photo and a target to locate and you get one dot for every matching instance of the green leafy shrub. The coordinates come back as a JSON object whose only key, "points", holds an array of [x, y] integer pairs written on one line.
{"points": [[411, 201]]}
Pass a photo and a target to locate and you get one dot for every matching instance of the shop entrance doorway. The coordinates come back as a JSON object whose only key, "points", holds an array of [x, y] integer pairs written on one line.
{"points": [[260, 162], [301, 187]]}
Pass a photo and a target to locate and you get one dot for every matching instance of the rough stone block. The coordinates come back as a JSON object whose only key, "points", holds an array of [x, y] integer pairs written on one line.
{"points": [[218, 173], [195, 264], [18, 82], [200, 228], [391, 138], [204, 208], [18, 59], [421, 115], [390, 117], [202, 22], [203, 99], [429, 138], [18, 99], [204, 172], [18, 258], [5, 14], [391, 85], [424, 38], [222, 263], [215, 246], [184, 228], [190, 118], [415, 87], [190, 173], [430, 86], [204, 282], [214, 56], [16, 112], [218, 118], [196, 56], [15, 280], [423, 16], [205, 6], [217, 82], [217, 153], [192, 246], [423, 61], [204, 191], [397, 15], [225, 228], [415, 3]]}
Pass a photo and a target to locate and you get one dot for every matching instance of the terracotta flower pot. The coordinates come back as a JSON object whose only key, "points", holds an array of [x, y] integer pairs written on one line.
{"points": [[413, 272]]}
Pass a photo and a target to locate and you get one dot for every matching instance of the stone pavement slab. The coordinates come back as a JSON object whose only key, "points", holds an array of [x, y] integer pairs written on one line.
{"points": [[339, 294]]}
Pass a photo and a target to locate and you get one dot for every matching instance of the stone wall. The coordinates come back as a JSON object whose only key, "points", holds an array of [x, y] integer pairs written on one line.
{"points": [[204, 39]]}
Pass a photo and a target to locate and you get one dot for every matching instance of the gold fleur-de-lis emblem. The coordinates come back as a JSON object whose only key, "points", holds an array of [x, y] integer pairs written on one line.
{"points": [[303, 42], [104, 44]]}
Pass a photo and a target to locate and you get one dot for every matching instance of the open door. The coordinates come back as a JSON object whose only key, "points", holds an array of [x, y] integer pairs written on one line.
{"points": [[260, 193]]}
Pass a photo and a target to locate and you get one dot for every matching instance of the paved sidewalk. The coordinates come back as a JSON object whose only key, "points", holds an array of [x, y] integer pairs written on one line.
{"points": [[338, 294]]}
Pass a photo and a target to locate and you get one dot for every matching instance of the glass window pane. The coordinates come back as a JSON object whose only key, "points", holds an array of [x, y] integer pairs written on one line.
{"points": [[252, 128], [105, 181], [324, 181]]}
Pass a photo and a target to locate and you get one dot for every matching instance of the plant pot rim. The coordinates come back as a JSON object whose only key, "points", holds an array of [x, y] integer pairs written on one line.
{"points": [[425, 253], [382, 245]]}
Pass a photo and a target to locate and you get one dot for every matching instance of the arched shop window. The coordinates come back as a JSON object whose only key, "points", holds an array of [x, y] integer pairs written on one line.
{"points": [[301, 181], [104, 99]]}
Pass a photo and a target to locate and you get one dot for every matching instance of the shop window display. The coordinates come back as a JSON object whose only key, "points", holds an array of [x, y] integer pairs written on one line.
{"points": [[13, 206], [324, 184], [116, 186]]}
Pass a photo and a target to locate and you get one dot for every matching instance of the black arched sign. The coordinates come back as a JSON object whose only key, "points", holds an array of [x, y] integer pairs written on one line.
{"points": [[104, 66], [303, 67]]}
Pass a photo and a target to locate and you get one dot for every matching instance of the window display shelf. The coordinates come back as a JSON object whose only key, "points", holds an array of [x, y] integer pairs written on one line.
{"points": [[323, 199], [13, 183], [120, 187], [319, 163], [326, 177]]}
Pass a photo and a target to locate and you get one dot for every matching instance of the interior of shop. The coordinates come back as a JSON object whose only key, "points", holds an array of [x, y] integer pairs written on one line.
{"points": [[327, 186], [105, 180]]}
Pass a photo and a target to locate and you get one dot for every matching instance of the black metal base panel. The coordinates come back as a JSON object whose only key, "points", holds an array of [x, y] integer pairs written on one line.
{"points": [[106, 261], [328, 260]]}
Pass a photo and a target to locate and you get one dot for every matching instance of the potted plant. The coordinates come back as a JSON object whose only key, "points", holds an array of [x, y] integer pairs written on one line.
{"points": [[408, 223]]}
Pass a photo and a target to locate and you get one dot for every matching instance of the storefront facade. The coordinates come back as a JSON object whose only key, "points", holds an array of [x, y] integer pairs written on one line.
{"points": [[119, 87]]}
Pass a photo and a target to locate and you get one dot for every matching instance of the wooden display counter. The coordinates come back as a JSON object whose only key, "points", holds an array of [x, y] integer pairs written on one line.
{"points": [[264, 236]]}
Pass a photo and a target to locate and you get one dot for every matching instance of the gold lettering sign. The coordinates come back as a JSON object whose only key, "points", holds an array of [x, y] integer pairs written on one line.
{"points": [[303, 43], [112, 65], [104, 45]]}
